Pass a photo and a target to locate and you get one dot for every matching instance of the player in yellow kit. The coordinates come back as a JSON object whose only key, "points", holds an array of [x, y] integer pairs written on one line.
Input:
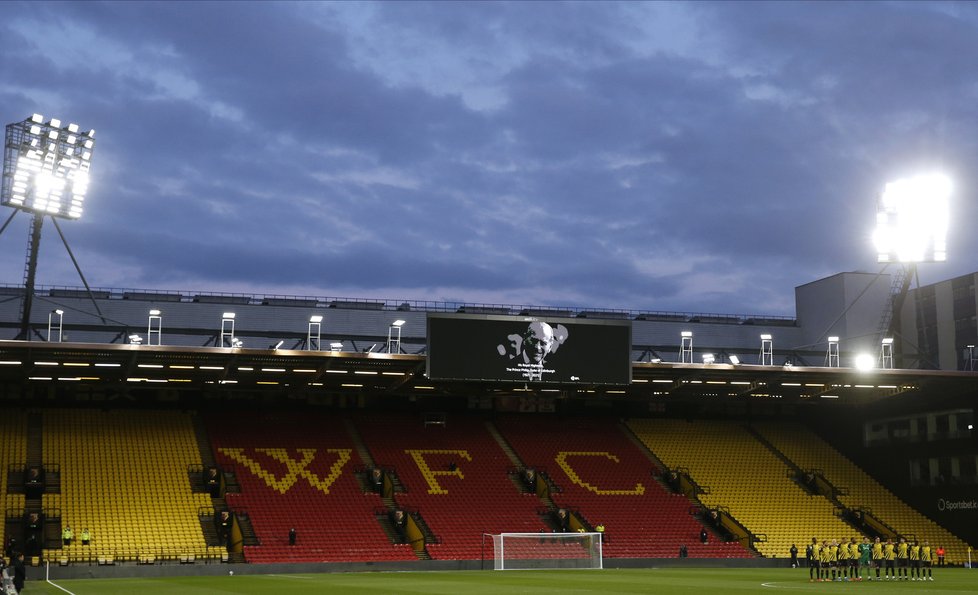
{"points": [[889, 559], [843, 561], [915, 561], [903, 558], [877, 553], [823, 558], [926, 559]]}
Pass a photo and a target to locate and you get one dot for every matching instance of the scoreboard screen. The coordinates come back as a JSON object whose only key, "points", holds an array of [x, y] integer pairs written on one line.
{"points": [[528, 349]]}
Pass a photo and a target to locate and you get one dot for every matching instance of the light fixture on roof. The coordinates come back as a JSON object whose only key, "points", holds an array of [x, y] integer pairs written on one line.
{"points": [[865, 362], [154, 328], [709, 358], [279, 344], [236, 343], [55, 321], [832, 355], [766, 356], [734, 360], [336, 346], [886, 353], [394, 336], [313, 333], [227, 330], [686, 347], [135, 340]]}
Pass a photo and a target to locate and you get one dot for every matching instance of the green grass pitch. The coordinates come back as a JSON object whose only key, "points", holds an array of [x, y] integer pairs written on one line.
{"points": [[531, 582]]}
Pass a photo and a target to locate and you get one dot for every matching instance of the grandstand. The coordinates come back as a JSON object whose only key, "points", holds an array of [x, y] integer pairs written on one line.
{"points": [[122, 433]]}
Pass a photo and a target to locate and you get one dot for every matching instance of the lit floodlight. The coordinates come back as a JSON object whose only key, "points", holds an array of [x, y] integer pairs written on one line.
{"points": [[864, 361], [336, 346], [398, 323], [709, 358], [279, 344], [236, 342], [228, 315], [686, 334], [154, 312], [316, 318], [833, 339], [888, 341], [46, 167], [734, 360], [765, 337], [135, 340], [912, 219]]}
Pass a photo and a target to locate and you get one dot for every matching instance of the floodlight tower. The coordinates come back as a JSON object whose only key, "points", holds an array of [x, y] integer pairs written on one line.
{"points": [[45, 172], [912, 219]]}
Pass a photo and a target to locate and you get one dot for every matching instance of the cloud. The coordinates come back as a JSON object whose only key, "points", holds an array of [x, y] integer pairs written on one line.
{"points": [[666, 156]]}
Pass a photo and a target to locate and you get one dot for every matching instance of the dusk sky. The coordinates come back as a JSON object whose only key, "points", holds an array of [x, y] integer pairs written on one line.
{"points": [[695, 157]]}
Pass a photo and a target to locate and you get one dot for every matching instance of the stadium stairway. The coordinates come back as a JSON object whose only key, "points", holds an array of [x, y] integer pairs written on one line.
{"points": [[742, 475], [456, 475], [296, 470], [808, 451], [608, 479]]}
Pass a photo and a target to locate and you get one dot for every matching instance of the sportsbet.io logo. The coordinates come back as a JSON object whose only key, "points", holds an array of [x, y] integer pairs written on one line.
{"points": [[949, 505]]}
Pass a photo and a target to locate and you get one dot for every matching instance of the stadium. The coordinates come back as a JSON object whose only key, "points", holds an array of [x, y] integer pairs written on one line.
{"points": [[191, 434], [158, 440]]}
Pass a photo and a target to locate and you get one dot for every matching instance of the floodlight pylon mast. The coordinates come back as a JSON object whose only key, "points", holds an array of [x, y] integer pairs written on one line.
{"points": [[30, 273]]}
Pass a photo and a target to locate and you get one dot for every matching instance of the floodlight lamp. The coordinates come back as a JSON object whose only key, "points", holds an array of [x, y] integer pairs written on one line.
{"points": [[236, 342], [135, 339], [316, 318], [708, 358], [686, 334], [59, 312], [865, 362], [335, 346], [833, 339], [228, 315], [970, 346], [655, 360], [765, 337], [398, 323], [888, 341], [734, 360], [46, 175], [154, 312], [279, 344], [912, 219]]}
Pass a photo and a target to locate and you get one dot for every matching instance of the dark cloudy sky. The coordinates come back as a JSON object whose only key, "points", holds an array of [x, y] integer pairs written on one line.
{"points": [[703, 157]]}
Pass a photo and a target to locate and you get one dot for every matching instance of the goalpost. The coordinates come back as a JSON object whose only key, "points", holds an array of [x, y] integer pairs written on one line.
{"points": [[531, 551]]}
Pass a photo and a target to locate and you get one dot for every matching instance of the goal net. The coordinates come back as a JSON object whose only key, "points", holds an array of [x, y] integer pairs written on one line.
{"points": [[525, 551]]}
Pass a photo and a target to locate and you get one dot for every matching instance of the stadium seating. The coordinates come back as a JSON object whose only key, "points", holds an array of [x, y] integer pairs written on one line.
{"points": [[809, 451], [13, 451], [124, 477], [458, 506], [744, 476], [606, 477], [297, 471]]}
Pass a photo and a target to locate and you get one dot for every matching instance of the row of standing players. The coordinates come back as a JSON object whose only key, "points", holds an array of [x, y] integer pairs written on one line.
{"points": [[848, 560]]}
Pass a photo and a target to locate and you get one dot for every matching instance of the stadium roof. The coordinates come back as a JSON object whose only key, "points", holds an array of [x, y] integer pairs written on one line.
{"points": [[120, 369]]}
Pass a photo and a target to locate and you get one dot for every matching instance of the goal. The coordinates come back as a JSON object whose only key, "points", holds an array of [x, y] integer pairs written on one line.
{"points": [[530, 551]]}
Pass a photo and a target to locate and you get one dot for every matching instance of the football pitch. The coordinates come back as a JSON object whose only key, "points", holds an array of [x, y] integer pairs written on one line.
{"points": [[530, 582]]}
